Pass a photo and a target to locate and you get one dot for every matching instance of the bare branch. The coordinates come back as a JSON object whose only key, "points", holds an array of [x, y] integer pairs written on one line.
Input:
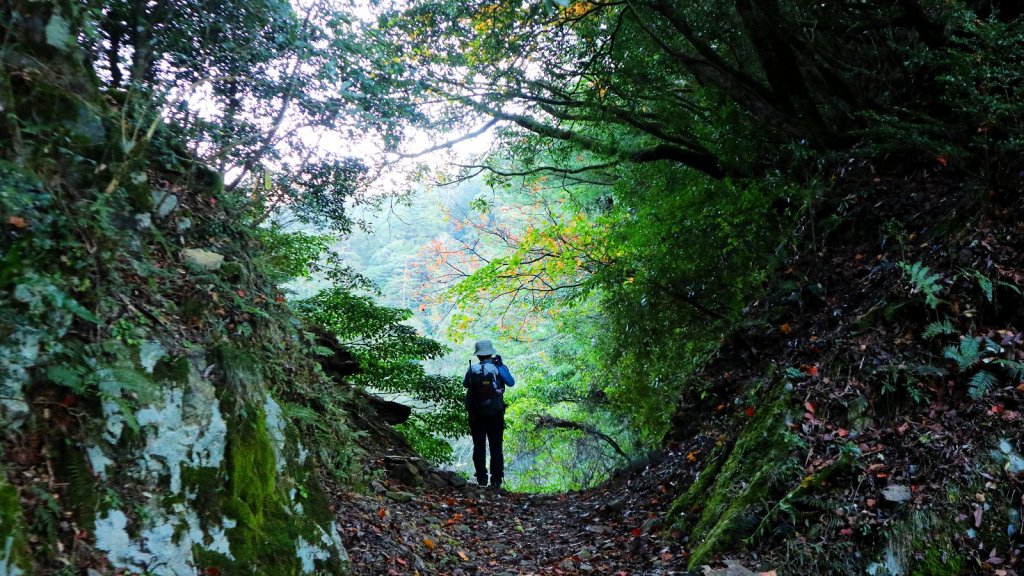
{"points": [[546, 421]]}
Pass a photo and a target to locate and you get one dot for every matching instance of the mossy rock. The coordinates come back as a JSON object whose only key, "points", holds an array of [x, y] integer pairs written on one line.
{"points": [[727, 503], [283, 523], [14, 551]]}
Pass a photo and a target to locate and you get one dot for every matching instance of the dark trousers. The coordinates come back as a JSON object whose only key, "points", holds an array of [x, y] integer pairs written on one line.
{"points": [[488, 430]]}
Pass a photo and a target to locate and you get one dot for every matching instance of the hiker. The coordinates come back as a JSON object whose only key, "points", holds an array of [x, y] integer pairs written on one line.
{"points": [[485, 389]]}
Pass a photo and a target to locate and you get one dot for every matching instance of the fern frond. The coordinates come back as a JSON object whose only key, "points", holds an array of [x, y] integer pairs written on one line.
{"points": [[301, 414], [935, 328], [1014, 368], [992, 347], [980, 383], [966, 355], [924, 281], [985, 284], [927, 370]]}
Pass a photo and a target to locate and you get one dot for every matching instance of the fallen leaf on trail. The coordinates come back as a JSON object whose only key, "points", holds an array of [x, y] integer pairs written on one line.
{"points": [[692, 456], [635, 532], [463, 556], [749, 410], [429, 544], [809, 406], [842, 432], [400, 561], [382, 512], [785, 328], [17, 221]]}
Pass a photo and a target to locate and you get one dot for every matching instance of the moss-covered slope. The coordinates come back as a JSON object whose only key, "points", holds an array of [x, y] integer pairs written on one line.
{"points": [[144, 350]]}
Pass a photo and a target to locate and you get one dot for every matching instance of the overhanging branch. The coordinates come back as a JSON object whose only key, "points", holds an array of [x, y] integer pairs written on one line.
{"points": [[546, 421]]}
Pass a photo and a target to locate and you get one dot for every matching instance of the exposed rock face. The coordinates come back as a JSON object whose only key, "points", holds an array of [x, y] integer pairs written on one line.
{"points": [[206, 478]]}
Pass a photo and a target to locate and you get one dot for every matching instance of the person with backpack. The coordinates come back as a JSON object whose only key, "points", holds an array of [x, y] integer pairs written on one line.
{"points": [[485, 390]]}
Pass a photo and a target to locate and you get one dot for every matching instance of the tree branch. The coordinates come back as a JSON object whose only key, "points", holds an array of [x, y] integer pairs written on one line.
{"points": [[546, 421]]}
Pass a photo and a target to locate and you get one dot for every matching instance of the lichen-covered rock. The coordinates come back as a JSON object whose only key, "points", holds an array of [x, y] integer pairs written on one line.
{"points": [[227, 488]]}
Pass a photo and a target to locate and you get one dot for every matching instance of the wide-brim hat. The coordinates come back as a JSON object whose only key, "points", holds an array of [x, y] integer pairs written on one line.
{"points": [[484, 348]]}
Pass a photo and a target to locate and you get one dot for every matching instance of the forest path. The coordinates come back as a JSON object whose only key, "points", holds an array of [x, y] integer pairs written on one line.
{"points": [[614, 529]]}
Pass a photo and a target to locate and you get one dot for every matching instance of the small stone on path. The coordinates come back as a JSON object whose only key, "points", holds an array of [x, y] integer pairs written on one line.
{"points": [[896, 493]]}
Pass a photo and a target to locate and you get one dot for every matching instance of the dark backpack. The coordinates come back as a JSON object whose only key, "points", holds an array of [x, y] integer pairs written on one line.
{"points": [[482, 397]]}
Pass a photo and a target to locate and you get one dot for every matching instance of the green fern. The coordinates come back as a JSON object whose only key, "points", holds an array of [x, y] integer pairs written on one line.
{"points": [[303, 415], [924, 281], [1014, 368], [966, 354], [985, 284], [979, 384], [935, 328], [927, 370], [970, 352]]}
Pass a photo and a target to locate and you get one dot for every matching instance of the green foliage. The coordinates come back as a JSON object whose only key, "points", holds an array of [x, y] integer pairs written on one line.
{"points": [[390, 355], [294, 255], [980, 382], [733, 502], [983, 89], [934, 329], [969, 352], [14, 556], [924, 282], [979, 357]]}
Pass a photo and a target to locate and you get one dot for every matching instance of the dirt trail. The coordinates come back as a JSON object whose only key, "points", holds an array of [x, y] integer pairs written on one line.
{"points": [[614, 529]]}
